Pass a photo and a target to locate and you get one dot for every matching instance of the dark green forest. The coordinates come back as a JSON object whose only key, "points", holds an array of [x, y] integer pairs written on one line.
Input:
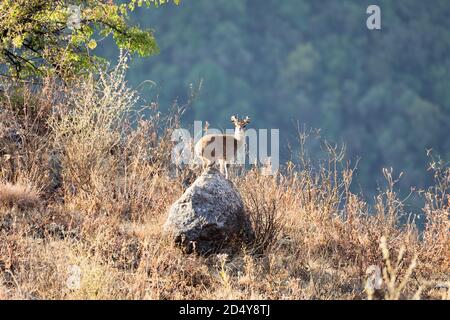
{"points": [[385, 93]]}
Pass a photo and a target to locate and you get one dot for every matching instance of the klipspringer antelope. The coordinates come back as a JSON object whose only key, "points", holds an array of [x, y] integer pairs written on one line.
{"points": [[222, 148]]}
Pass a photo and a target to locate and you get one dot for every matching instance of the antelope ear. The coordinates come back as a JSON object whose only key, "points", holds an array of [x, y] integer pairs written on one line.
{"points": [[233, 119], [247, 120]]}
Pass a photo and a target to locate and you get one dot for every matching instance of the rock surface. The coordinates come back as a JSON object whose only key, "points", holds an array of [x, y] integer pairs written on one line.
{"points": [[208, 216]]}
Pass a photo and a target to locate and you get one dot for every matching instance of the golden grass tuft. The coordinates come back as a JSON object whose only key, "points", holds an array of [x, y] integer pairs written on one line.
{"points": [[23, 196]]}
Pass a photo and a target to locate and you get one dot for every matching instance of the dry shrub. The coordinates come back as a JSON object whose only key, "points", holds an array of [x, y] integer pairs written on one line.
{"points": [[262, 207], [24, 132], [88, 130], [435, 248], [111, 156]]}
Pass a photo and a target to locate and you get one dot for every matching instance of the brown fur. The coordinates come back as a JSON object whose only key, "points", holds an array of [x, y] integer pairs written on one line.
{"points": [[225, 145]]}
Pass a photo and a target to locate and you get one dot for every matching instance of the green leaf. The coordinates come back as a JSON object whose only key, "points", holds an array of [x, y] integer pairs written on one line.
{"points": [[92, 44]]}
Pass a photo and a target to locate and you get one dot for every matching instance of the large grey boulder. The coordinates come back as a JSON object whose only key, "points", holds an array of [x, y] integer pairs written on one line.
{"points": [[209, 215]]}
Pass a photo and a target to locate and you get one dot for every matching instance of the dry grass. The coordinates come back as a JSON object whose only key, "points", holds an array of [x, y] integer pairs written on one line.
{"points": [[102, 168], [20, 195]]}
